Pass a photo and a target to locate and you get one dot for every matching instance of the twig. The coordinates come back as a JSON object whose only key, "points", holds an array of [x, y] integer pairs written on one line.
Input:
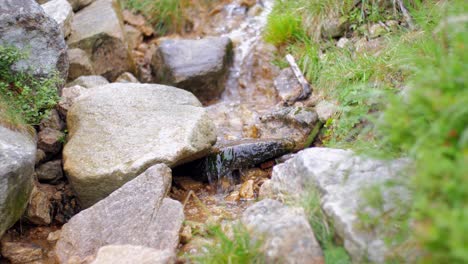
{"points": [[306, 90], [406, 14]]}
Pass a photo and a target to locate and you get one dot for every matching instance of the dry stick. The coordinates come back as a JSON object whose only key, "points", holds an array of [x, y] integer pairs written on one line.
{"points": [[197, 201], [306, 90], [406, 14]]}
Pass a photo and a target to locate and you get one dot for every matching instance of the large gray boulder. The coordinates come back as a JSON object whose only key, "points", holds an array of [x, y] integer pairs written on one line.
{"points": [[98, 30], [286, 233], [17, 156], [25, 25], [118, 130], [61, 11], [342, 179], [124, 254], [137, 214], [199, 66]]}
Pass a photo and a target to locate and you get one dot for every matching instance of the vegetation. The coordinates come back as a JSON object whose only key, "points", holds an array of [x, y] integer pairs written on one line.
{"points": [[237, 248], [323, 231], [24, 99], [404, 95], [167, 16]]}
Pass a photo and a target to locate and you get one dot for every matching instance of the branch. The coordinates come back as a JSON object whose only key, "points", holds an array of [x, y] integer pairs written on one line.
{"points": [[306, 89]]}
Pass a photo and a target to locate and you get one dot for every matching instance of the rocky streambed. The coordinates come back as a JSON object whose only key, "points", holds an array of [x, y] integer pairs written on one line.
{"points": [[130, 168]]}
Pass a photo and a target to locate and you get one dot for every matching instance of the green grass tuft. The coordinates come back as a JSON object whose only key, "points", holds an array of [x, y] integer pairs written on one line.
{"points": [[236, 249]]}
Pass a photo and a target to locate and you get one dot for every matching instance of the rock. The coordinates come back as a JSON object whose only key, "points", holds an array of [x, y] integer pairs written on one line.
{"points": [[199, 66], [376, 30], [79, 4], [341, 177], [134, 36], [247, 190], [127, 77], [333, 28], [39, 208], [80, 64], [17, 158], [25, 25], [90, 81], [288, 237], [185, 234], [235, 155], [53, 236], [136, 125], [343, 43], [50, 171], [52, 121], [124, 254], [297, 123], [287, 85], [19, 252], [137, 214], [98, 30], [68, 98], [40, 156], [133, 19], [61, 11], [50, 141], [325, 110], [233, 197]]}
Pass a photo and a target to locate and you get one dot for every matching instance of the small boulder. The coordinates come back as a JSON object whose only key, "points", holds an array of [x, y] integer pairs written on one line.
{"points": [[124, 254], [288, 237], [52, 121], [68, 98], [325, 110], [134, 36], [333, 28], [79, 4], [127, 77], [88, 81], [50, 141], [39, 207], [25, 25], [17, 158], [342, 177], [199, 66], [287, 86], [98, 30], [137, 214], [20, 252], [61, 11], [136, 125], [80, 64], [50, 171]]}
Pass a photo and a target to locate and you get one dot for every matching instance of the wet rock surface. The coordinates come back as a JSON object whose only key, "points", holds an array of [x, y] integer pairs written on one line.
{"points": [[136, 214], [199, 66], [17, 158], [50, 171], [233, 156], [23, 24], [171, 128], [287, 235], [342, 177], [98, 30]]}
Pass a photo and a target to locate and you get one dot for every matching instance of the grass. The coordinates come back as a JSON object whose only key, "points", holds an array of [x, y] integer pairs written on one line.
{"points": [[24, 99], [323, 231], [167, 16], [236, 249]]}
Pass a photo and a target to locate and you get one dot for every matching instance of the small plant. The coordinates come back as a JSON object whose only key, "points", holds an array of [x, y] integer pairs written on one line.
{"points": [[283, 28], [24, 99], [238, 248], [323, 231]]}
